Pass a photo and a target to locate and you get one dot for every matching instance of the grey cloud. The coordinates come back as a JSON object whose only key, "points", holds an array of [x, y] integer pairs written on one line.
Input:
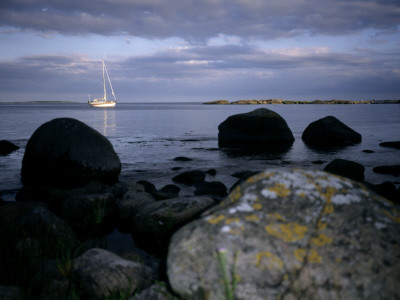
{"points": [[200, 20]]}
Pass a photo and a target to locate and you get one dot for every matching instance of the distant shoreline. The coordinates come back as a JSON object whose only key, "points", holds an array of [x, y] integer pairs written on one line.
{"points": [[43, 101], [281, 101]]}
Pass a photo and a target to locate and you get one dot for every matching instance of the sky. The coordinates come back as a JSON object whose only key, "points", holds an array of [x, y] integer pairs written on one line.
{"points": [[200, 50]]}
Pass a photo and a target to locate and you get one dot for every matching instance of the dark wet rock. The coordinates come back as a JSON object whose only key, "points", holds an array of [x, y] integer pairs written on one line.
{"points": [[7, 147], [128, 206], [211, 188], [260, 128], [346, 168], [176, 168], [31, 229], [165, 216], [91, 215], [318, 162], [211, 172], [11, 293], [148, 186], [393, 170], [155, 292], [292, 234], [167, 191], [51, 276], [329, 132], [190, 177], [103, 274], [54, 197], [368, 151], [391, 144], [388, 190], [170, 188], [67, 153], [182, 158]]}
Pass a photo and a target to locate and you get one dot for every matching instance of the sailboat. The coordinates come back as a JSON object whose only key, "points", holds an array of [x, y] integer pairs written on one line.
{"points": [[104, 102]]}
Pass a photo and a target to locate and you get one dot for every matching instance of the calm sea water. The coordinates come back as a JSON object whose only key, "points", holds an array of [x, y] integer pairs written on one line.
{"points": [[147, 137]]}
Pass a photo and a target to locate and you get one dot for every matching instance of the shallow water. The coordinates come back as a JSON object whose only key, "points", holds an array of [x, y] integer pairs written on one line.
{"points": [[148, 136]]}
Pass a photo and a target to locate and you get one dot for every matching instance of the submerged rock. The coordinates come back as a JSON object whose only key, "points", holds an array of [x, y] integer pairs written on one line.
{"points": [[260, 127], [393, 170], [329, 132], [293, 234], [7, 147], [346, 168], [395, 144], [190, 177], [66, 153]]}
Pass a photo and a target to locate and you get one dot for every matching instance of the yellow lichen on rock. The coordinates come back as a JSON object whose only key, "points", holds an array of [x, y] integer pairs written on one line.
{"points": [[321, 240], [268, 261], [321, 225], [312, 257], [215, 219], [232, 220], [235, 194], [290, 232], [277, 216], [257, 206], [252, 218], [280, 190]]}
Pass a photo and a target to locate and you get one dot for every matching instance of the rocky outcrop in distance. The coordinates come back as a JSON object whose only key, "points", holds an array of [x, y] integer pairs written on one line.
{"points": [[281, 101]]}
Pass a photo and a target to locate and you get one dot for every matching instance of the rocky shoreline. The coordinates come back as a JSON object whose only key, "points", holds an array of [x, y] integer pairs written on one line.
{"points": [[220, 241], [281, 101]]}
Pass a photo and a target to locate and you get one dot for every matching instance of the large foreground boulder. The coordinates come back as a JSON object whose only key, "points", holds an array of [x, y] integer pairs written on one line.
{"points": [[329, 132], [261, 127], [66, 152], [290, 234]]}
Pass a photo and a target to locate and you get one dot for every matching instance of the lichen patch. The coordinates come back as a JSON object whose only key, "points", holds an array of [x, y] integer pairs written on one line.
{"points": [[290, 232]]}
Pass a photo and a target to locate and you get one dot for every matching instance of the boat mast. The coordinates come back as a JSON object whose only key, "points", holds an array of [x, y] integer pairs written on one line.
{"points": [[109, 81], [104, 81]]}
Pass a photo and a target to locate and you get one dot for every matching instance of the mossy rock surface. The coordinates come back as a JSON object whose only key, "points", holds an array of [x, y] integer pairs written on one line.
{"points": [[291, 234]]}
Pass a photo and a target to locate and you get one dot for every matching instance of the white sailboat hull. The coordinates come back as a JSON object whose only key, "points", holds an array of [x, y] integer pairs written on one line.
{"points": [[102, 104]]}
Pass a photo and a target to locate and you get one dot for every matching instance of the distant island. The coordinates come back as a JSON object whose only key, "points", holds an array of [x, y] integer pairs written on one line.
{"points": [[281, 101]]}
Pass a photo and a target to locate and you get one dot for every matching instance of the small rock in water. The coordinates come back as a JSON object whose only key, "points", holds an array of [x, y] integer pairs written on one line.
{"points": [[190, 177], [394, 170], [368, 151], [395, 144], [7, 147], [318, 162], [182, 158], [329, 132], [346, 168]]}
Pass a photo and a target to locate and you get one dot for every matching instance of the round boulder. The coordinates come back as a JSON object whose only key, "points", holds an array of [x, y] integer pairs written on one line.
{"points": [[261, 127], [65, 153], [292, 234], [346, 168], [329, 132]]}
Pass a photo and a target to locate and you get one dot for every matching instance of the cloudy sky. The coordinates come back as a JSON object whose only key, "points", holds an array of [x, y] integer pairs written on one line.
{"points": [[200, 50]]}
